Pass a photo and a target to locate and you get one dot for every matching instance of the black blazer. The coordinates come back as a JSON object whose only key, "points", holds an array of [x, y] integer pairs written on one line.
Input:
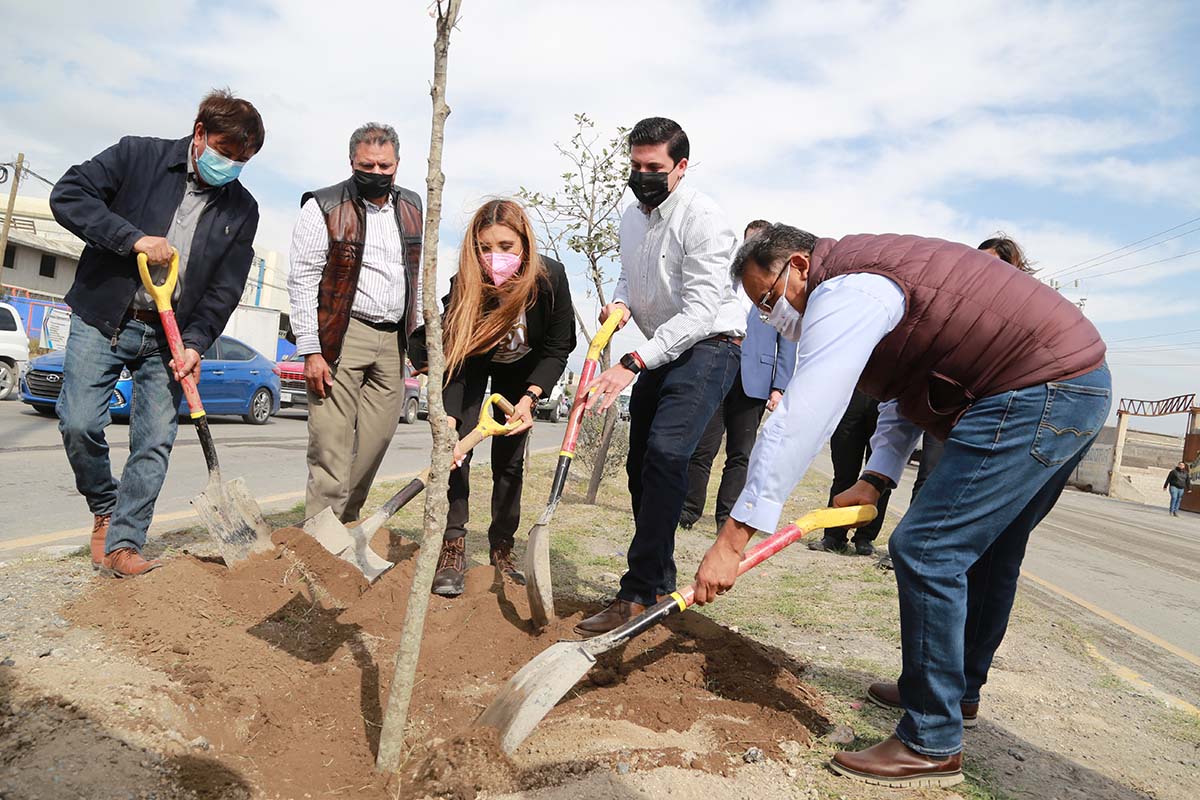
{"points": [[551, 328]]}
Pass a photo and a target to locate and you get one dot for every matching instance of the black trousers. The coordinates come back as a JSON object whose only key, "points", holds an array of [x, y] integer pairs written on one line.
{"points": [[508, 464], [737, 419], [850, 447], [931, 453]]}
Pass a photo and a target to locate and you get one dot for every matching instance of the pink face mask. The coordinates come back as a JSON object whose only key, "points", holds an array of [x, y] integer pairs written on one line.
{"points": [[501, 266]]}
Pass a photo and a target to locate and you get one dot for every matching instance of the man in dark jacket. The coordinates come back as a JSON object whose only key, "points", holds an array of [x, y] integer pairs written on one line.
{"points": [[151, 196], [1178, 481], [949, 339]]}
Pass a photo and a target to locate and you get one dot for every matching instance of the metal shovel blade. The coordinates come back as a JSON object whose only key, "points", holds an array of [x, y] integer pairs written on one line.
{"points": [[349, 544], [537, 570], [534, 690], [234, 520]]}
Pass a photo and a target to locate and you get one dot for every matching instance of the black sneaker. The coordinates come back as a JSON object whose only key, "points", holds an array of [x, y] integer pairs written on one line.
{"points": [[885, 562], [450, 579], [827, 544], [864, 549]]}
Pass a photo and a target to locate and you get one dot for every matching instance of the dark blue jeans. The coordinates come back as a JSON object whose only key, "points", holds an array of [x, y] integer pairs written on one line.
{"points": [[90, 372], [668, 410], [958, 550]]}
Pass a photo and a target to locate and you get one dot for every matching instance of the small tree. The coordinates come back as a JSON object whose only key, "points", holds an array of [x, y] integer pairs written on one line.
{"points": [[584, 217]]}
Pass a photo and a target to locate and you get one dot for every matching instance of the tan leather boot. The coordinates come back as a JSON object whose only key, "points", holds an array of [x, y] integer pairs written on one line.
{"points": [[125, 562], [99, 534]]}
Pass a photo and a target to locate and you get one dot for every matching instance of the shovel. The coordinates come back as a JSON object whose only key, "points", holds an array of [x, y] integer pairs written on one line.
{"points": [[353, 544], [537, 551], [539, 685], [226, 508]]}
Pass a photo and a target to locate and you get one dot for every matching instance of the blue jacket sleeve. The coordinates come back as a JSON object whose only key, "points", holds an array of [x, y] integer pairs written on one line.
{"points": [[223, 293], [785, 362], [81, 197]]}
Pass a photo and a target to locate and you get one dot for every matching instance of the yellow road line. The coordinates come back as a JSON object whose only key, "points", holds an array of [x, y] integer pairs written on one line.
{"points": [[1131, 677], [1141, 633]]}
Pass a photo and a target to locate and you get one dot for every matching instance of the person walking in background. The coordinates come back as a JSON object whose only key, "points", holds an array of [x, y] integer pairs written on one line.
{"points": [[675, 250], [508, 318], [1178, 481], [354, 289], [766, 367], [149, 196]]}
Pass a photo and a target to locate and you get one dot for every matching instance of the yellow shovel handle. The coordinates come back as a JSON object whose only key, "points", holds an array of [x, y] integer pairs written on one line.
{"points": [[600, 340], [160, 292], [848, 517], [488, 425]]}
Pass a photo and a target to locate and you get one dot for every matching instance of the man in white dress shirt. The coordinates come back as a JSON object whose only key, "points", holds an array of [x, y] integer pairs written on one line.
{"points": [[353, 287], [675, 250]]}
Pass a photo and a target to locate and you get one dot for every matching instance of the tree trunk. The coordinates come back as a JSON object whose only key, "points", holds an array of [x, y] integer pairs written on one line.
{"points": [[610, 424], [395, 717]]}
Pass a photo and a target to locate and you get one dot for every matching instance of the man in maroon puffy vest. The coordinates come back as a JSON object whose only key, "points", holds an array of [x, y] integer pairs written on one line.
{"points": [[955, 343]]}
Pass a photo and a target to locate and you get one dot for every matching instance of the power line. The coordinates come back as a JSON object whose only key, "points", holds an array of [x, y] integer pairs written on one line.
{"points": [[1139, 266], [1124, 247], [1079, 270], [1155, 336]]}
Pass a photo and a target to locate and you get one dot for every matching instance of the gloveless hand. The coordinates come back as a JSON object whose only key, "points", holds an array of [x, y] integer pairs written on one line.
{"points": [[522, 411], [718, 570], [860, 494], [317, 375], [607, 387], [773, 399], [615, 308], [189, 365]]}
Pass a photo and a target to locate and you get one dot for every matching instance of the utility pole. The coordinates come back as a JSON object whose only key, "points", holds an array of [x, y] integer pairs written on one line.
{"points": [[12, 201]]}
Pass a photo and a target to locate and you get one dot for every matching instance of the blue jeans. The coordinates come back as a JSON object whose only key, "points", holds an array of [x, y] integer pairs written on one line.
{"points": [[668, 411], [1176, 497], [958, 550], [91, 369]]}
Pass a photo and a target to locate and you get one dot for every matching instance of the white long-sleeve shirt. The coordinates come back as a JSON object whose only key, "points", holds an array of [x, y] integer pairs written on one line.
{"points": [[380, 293], [675, 274], [846, 317]]}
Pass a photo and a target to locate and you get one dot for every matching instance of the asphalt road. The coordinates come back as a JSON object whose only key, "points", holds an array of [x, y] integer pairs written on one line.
{"points": [[37, 488], [1126, 574]]}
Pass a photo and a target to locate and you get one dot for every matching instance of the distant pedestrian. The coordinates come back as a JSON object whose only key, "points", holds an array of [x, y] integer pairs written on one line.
{"points": [[766, 367], [1179, 480], [353, 285], [149, 196]]}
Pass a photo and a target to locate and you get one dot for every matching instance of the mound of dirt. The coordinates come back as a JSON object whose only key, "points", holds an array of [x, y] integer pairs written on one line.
{"points": [[283, 665]]}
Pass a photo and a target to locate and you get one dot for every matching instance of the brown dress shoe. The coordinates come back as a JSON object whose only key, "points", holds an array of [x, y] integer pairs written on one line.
{"points": [[99, 534], [450, 579], [615, 615], [502, 559], [125, 562], [887, 695], [892, 763]]}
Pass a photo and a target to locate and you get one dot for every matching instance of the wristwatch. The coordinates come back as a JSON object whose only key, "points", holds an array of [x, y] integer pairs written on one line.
{"points": [[881, 484], [631, 362]]}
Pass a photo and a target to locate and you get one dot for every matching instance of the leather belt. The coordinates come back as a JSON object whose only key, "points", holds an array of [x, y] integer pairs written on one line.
{"points": [[144, 315], [382, 327], [725, 337]]}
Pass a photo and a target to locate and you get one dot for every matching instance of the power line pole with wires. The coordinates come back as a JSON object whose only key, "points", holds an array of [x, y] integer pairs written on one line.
{"points": [[12, 201]]}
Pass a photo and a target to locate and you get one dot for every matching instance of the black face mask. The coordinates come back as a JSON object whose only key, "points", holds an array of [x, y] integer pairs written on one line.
{"points": [[650, 188], [372, 185]]}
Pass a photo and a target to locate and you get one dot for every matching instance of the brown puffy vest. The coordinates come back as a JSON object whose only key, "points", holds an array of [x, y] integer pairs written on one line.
{"points": [[346, 221], [973, 326]]}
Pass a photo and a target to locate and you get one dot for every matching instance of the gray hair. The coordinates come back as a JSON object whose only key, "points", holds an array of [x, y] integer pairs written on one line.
{"points": [[770, 246], [374, 133]]}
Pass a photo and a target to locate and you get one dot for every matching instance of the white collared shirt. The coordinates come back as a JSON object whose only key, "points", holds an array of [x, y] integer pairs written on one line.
{"points": [[675, 274], [379, 296], [846, 317]]}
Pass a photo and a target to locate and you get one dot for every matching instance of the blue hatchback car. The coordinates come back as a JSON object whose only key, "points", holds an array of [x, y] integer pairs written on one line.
{"points": [[234, 379]]}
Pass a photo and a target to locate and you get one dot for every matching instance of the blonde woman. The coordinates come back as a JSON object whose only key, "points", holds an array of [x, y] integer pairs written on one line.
{"points": [[509, 318]]}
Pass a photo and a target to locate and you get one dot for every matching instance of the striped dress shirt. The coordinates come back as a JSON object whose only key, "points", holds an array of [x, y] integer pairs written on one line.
{"points": [[379, 296], [675, 275]]}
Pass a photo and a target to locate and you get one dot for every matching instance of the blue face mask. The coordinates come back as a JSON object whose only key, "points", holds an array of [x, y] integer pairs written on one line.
{"points": [[215, 169]]}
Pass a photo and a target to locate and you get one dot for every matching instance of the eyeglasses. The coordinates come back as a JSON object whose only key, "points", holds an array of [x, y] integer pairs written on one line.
{"points": [[764, 309]]}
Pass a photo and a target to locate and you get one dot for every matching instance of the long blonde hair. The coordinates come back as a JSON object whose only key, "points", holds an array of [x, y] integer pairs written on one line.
{"points": [[481, 313]]}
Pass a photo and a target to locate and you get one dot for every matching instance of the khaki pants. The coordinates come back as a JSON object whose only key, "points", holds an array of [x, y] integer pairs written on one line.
{"points": [[349, 430]]}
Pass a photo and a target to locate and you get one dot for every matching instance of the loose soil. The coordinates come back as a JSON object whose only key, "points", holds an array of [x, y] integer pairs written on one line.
{"points": [[284, 662]]}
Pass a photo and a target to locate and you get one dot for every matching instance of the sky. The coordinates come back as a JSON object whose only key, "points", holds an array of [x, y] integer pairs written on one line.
{"points": [[1071, 126]]}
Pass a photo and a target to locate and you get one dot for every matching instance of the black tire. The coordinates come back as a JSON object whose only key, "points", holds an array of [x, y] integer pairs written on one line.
{"points": [[46, 411], [260, 407], [409, 417], [554, 415], [8, 380]]}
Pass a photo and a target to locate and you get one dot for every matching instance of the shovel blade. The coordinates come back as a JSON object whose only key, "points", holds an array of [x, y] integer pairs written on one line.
{"points": [[538, 585], [233, 519], [534, 690], [362, 556], [352, 545]]}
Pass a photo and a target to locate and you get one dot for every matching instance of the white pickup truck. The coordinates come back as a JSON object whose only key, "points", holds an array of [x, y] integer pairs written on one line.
{"points": [[14, 350]]}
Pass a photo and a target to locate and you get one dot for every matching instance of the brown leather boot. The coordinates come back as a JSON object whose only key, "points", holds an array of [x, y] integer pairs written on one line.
{"points": [[450, 579], [502, 559], [125, 562], [99, 534], [887, 695], [892, 763], [615, 615]]}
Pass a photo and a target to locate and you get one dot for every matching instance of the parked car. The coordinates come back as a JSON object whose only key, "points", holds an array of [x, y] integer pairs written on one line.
{"points": [[555, 406], [14, 350], [294, 391], [234, 379]]}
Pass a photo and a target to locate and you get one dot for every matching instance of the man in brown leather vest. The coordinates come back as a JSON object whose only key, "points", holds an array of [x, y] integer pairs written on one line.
{"points": [[353, 287], [958, 344]]}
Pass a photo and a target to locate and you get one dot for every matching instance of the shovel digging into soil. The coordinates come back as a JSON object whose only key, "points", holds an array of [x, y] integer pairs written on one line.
{"points": [[226, 508], [537, 551], [530, 694], [353, 544]]}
